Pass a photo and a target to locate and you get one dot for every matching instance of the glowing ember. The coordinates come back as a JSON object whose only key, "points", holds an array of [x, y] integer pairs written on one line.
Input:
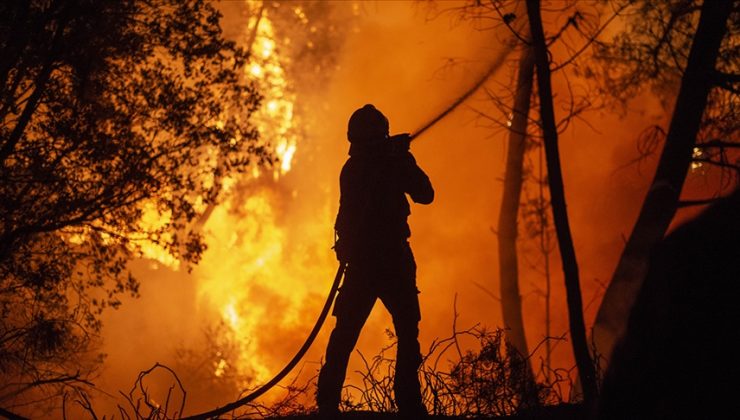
{"points": [[220, 368], [697, 154]]}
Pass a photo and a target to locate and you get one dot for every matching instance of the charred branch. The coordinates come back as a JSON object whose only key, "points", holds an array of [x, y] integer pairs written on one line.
{"points": [[698, 202], [718, 163], [727, 81], [589, 40], [141, 402], [10, 415], [721, 144]]}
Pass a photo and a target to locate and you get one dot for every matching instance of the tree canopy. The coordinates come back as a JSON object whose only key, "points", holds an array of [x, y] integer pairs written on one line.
{"points": [[118, 123]]}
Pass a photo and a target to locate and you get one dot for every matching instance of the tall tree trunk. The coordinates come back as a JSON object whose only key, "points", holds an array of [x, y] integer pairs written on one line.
{"points": [[586, 370], [545, 250], [662, 198], [511, 300]]}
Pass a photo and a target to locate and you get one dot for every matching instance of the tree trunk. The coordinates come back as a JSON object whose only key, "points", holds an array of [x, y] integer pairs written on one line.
{"points": [[662, 198], [511, 300], [586, 369]]}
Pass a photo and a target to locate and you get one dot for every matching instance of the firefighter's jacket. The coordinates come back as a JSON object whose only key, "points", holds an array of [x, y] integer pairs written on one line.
{"points": [[373, 208]]}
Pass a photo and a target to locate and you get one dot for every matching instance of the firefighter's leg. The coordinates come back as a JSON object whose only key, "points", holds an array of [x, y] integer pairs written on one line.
{"points": [[402, 302], [408, 356], [351, 309]]}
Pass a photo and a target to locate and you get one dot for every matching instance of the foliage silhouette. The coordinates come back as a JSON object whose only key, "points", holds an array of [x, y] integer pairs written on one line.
{"points": [[668, 46], [112, 114], [478, 383], [674, 360]]}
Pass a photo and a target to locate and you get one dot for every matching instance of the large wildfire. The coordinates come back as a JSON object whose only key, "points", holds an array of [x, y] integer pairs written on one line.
{"points": [[251, 291], [241, 313]]}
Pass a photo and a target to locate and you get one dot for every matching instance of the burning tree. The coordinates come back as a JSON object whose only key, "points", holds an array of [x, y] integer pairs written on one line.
{"points": [[111, 115], [250, 293]]}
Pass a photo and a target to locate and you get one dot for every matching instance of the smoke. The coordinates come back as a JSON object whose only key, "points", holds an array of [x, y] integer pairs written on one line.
{"points": [[253, 299]]}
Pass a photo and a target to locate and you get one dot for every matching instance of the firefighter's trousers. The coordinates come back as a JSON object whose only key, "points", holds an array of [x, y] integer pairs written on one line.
{"points": [[392, 279]]}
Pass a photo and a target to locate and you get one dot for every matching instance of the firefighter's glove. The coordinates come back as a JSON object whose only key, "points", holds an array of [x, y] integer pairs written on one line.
{"points": [[341, 249], [400, 143]]}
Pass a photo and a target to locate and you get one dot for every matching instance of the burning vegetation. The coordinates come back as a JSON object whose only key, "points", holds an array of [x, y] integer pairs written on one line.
{"points": [[169, 184]]}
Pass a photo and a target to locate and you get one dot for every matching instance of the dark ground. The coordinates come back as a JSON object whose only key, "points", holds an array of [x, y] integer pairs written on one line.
{"points": [[553, 412]]}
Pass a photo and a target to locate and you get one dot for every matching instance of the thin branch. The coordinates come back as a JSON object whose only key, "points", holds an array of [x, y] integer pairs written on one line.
{"points": [[717, 163], [718, 143], [700, 202], [10, 415], [507, 21], [590, 40]]}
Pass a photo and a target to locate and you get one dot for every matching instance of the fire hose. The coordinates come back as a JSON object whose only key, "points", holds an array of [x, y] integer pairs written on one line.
{"points": [[495, 65]]}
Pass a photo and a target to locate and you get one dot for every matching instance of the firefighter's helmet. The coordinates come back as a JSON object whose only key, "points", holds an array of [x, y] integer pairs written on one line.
{"points": [[366, 125]]}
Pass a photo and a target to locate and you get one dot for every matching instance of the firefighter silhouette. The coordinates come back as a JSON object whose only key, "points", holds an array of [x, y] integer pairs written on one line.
{"points": [[373, 232]]}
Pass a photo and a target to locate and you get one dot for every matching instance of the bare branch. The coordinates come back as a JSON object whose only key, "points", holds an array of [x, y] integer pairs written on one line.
{"points": [[590, 40]]}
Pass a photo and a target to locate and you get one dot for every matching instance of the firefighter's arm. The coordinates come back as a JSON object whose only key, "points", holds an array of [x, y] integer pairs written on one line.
{"points": [[416, 182], [342, 240], [342, 224], [341, 248], [418, 185]]}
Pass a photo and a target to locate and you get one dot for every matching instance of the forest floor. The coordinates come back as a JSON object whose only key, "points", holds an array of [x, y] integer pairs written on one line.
{"points": [[552, 412]]}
